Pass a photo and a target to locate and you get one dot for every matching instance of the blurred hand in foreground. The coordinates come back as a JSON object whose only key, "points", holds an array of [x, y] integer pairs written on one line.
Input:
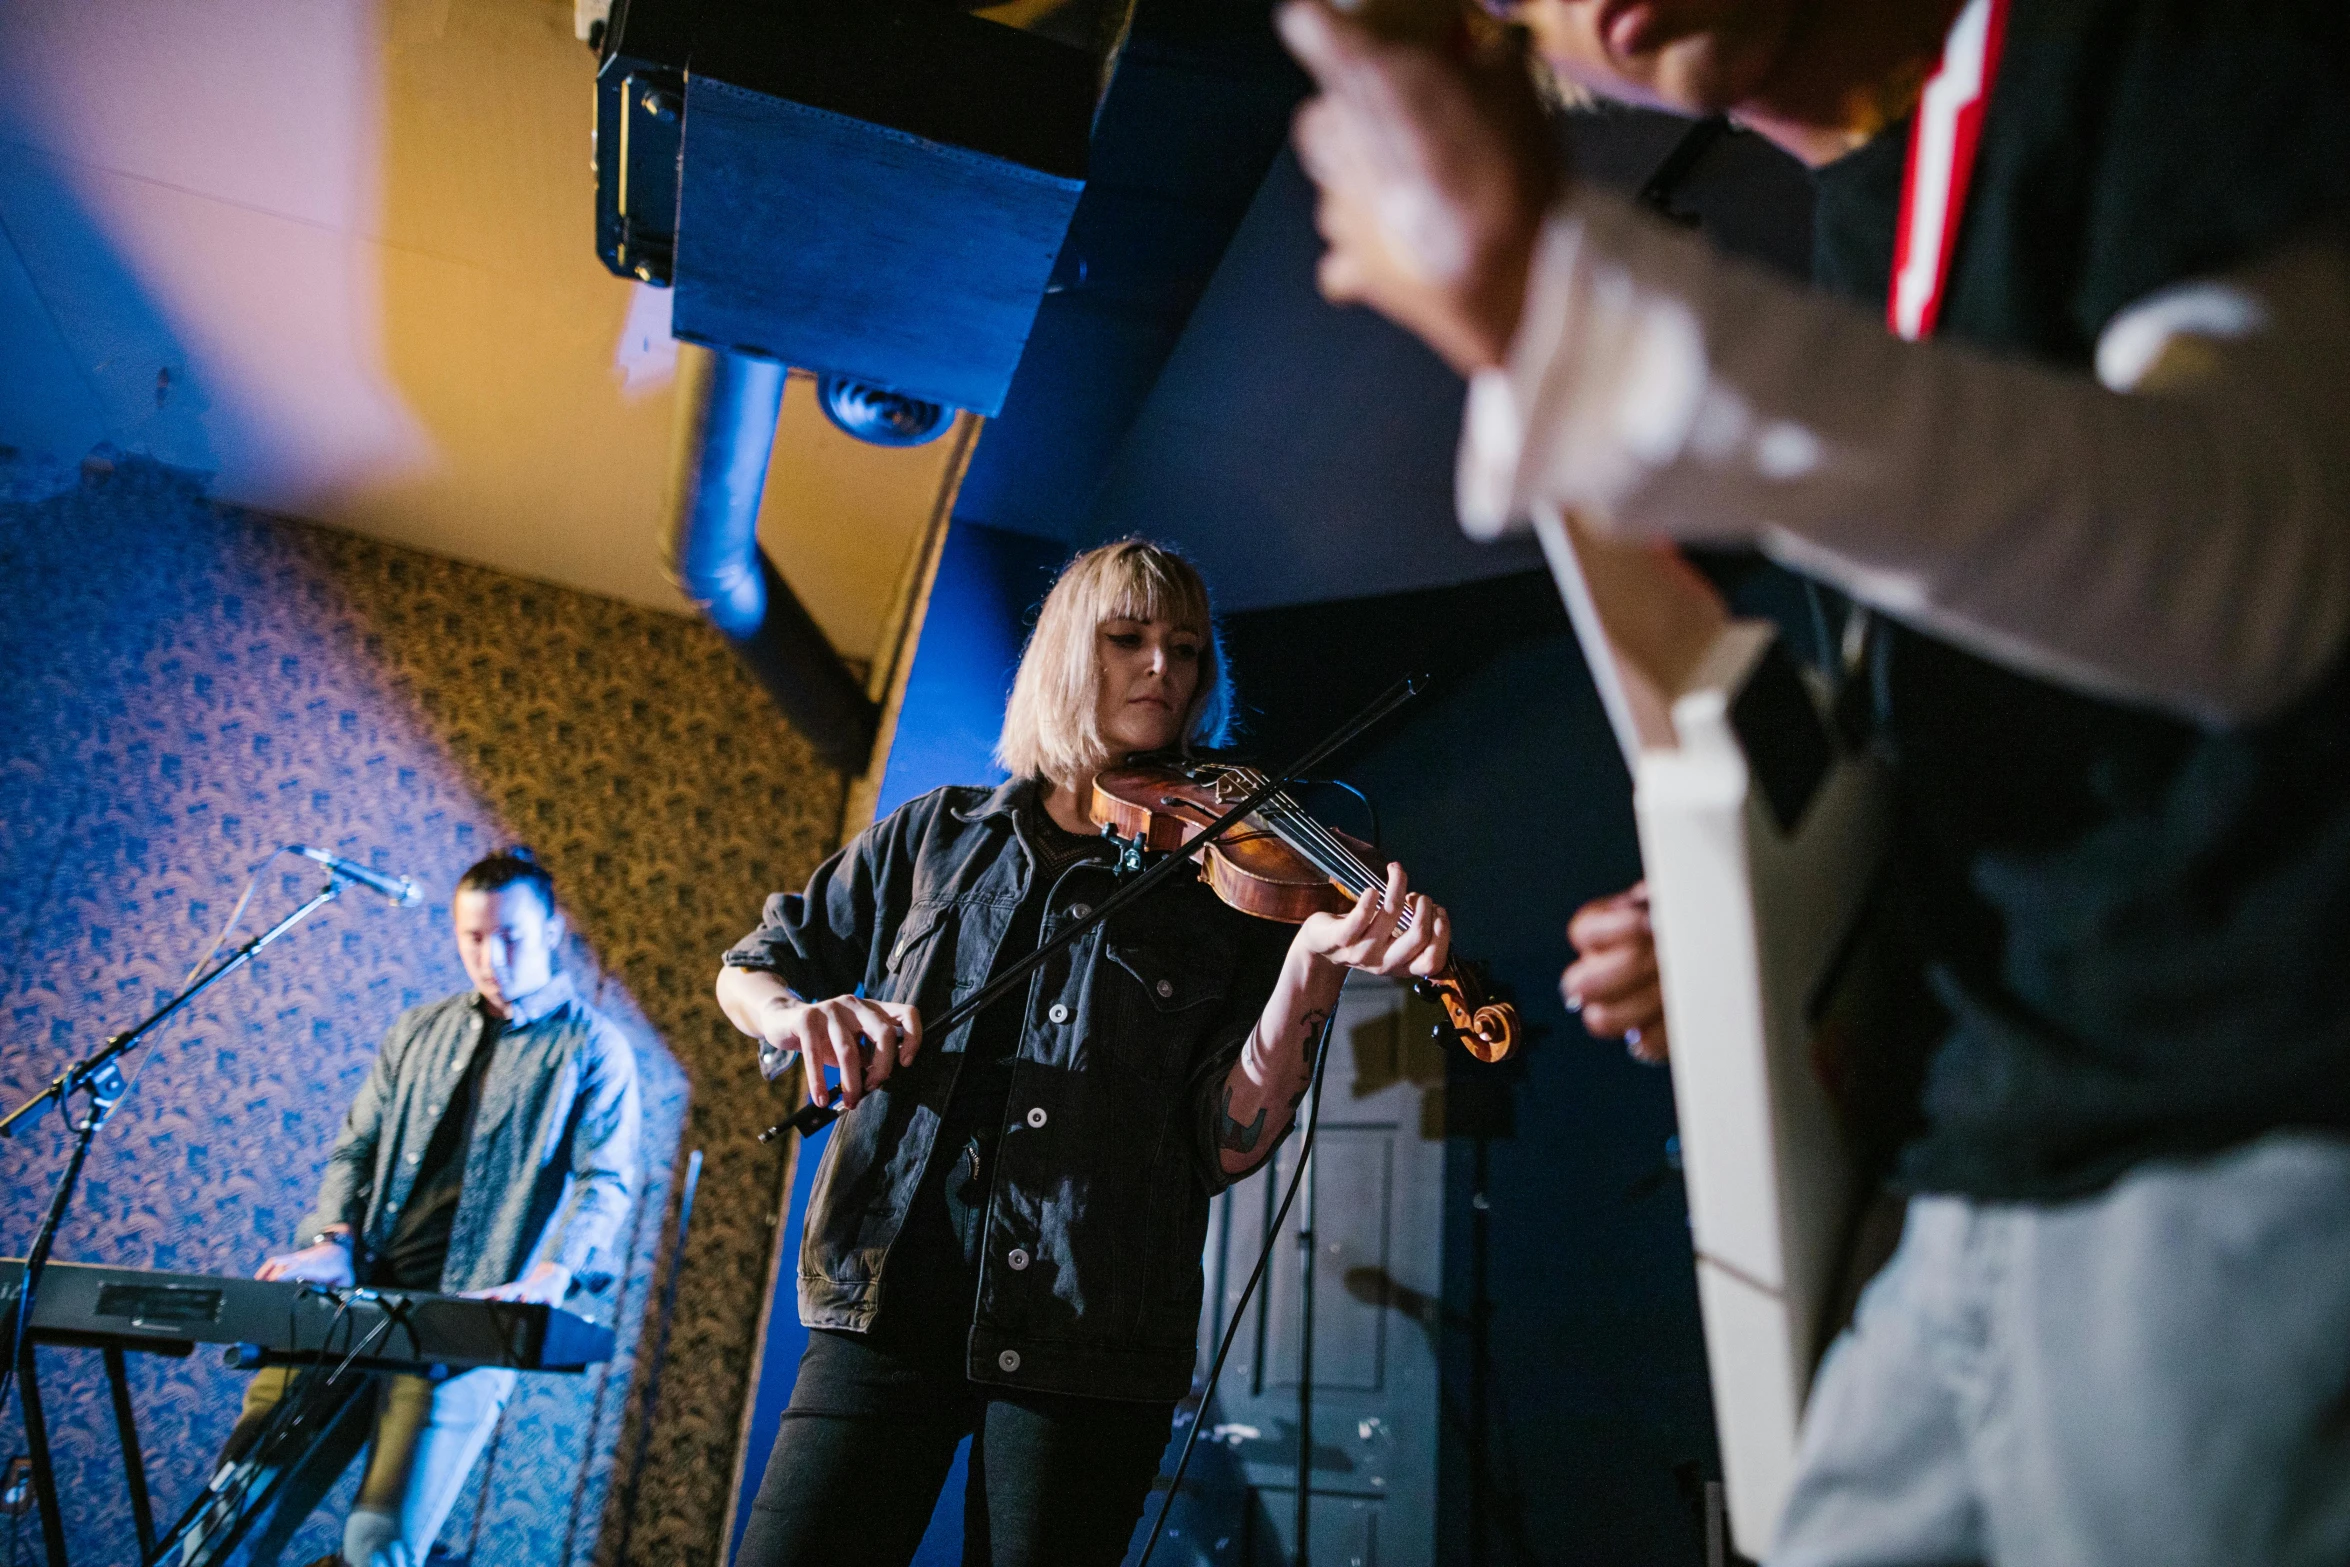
{"points": [[1434, 173], [1613, 981]]}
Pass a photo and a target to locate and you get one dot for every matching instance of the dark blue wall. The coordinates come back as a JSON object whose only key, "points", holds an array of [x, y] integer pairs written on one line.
{"points": [[990, 583]]}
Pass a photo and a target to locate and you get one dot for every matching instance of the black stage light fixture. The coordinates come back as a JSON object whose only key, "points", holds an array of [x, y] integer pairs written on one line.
{"points": [[874, 190]]}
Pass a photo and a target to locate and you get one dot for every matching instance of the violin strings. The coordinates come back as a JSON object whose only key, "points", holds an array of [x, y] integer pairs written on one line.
{"points": [[1324, 849], [1345, 866], [1307, 835], [1334, 858], [1321, 847]]}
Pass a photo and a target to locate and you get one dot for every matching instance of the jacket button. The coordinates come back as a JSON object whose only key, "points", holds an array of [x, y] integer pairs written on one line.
{"points": [[1008, 1361], [1058, 1012], [434, 1108], [1078, 911], [1165, 988], [1036, 1115], [416, 1158], [1018, 1259]]}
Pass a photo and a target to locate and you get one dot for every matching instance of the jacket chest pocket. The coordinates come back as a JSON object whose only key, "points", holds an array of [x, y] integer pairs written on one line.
{"points": [[922, 936], [1160, 994]]}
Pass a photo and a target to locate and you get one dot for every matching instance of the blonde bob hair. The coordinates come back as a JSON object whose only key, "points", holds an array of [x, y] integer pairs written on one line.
{"points": [[1052, 724]]}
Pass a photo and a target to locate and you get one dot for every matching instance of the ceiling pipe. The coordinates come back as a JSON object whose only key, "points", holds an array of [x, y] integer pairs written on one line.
{"points": [[727, 406]]}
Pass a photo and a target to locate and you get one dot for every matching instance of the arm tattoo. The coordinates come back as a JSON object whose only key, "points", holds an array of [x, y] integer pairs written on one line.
{"points": [[1231, 1134], [1312, 1022]]}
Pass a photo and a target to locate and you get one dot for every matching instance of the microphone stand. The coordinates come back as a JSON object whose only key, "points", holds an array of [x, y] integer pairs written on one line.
{"points": [[812, 1117], [102, 1081]]}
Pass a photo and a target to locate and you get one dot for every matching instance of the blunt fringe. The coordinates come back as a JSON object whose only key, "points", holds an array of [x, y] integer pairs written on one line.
{"points": [[1051, 725]]}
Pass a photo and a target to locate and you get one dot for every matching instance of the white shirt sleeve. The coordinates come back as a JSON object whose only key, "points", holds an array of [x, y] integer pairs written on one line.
{"points": [[2174, 533]]}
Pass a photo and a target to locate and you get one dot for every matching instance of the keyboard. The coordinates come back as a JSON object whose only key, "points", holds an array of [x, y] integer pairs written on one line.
{"points": [[280, 1323]]}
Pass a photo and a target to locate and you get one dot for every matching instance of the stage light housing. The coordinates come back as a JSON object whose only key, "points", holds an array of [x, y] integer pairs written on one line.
{"points": [[870, 189]]}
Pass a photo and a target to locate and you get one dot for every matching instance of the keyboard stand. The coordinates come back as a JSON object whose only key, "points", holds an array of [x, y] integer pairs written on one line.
{"points": [[126, 1428], [216, 1546]]}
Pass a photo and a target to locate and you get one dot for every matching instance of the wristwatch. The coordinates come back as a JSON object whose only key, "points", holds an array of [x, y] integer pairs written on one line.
{"points": [[323, 1236]]}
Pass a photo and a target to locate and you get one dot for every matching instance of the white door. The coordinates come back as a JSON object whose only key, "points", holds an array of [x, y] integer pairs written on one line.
{"points": [[1377, 1280]]}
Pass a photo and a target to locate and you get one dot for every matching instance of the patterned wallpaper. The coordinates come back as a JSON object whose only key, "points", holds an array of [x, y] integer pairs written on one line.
{"points": [[184, 686]]}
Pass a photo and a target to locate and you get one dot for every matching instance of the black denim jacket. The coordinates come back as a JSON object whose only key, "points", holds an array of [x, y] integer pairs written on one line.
{"points": [[1090, 1277]]}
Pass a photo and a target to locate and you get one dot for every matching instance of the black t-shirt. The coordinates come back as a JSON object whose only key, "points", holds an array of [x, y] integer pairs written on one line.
{"points": [[418, 1249], [2140, 928], [934, 1265]]}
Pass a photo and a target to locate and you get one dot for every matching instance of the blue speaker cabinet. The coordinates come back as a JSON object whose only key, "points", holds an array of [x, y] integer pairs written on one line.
{"points": [[877, 188]]}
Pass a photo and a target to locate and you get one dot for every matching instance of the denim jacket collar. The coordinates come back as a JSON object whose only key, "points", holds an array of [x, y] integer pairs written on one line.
{"points": [[1004, 800]]}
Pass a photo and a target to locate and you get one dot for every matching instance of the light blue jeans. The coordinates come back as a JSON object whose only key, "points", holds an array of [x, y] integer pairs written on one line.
{"points": [[2156, 1376], [398, 1531]]}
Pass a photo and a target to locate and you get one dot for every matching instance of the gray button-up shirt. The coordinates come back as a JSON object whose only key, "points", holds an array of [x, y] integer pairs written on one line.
{"points": [[552, 1162]]}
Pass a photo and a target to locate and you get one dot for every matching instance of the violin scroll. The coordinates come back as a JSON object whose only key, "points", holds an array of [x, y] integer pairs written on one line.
{"points": [[1487, 1029]]}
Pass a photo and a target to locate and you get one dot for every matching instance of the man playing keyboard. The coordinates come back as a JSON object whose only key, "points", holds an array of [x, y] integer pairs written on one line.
{"points": [[490, 1153]]}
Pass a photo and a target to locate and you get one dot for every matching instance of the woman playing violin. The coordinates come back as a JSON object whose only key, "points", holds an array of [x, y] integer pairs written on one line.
{"points": [[1004, 1237]]}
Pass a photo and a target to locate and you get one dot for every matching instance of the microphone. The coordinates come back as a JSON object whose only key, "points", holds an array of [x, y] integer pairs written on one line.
{"points": [[399, 889]]}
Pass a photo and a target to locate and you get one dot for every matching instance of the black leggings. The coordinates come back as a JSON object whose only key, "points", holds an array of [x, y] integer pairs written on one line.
{"points": [[869, 1437]]}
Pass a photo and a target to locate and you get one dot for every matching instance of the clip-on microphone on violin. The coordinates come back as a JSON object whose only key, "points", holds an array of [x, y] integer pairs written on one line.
{"points": [[813, 1117]]}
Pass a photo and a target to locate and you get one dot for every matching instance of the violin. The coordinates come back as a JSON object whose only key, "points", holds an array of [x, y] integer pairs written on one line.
{"points": [[1279, 864]]}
